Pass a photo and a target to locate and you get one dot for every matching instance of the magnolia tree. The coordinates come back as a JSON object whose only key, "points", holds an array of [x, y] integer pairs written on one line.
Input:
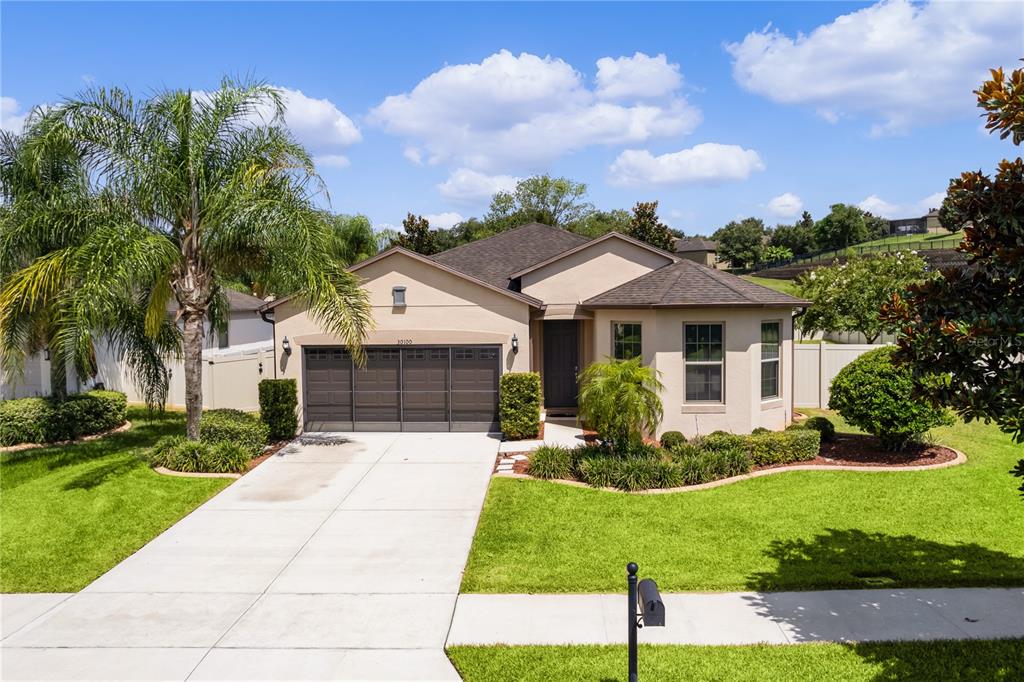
{"points": [[847, 297]]}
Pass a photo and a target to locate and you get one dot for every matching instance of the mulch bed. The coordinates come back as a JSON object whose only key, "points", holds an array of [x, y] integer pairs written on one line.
{"points": [[860, 450]]}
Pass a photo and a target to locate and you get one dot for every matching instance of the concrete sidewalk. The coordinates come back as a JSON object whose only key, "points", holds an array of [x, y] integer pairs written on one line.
{"points": [[744, 617], [333, 561]]}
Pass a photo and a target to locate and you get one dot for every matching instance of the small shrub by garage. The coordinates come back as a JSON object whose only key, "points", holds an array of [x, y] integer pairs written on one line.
{"points": [[46, 420], [234, 426], [874, 394], [519, 406], [279, 402], [783, 447], [178, 454]]}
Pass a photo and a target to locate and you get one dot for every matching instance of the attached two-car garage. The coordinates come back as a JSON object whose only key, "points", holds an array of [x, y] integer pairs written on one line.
{"points": [[402, 388]]}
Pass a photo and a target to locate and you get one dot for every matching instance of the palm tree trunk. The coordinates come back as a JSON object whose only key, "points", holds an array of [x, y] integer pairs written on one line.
{"points": [[193, 360]]}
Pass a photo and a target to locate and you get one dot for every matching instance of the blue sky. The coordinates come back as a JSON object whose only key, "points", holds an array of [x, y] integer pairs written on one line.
{"points": [[718, 111]]}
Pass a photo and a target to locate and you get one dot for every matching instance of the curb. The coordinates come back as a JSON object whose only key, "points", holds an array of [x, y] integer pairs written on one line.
{"points": [[193, 474], [960, 459]]}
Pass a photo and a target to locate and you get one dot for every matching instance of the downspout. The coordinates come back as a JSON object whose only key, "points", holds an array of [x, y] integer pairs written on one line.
{"points": [[273, 328]]}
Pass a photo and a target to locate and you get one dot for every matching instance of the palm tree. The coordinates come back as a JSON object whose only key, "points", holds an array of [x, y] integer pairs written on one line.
{"points": [[47, 213], [354, 238], [205, 188], [619, 399]]}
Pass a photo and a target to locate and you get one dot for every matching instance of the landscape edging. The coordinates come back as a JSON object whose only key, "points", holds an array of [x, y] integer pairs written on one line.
{"points": [[194, 474], [960, 459], [21, 447]]}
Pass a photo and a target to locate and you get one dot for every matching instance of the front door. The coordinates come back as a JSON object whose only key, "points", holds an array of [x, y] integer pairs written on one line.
{"points": [[561, 363]]}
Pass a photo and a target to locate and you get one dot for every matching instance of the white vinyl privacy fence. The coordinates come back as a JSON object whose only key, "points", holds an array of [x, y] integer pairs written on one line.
{"points": [[816, 364]]}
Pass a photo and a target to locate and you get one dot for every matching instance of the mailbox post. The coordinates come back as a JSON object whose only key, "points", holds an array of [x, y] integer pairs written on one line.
{"points": [[645, 607]]}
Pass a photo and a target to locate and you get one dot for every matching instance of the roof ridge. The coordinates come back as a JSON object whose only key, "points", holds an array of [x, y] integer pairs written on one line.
{"points": [[501, 234], [677, 273]]}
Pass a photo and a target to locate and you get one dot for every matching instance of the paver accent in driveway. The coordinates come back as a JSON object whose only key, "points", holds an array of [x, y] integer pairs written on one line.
{"points": [[337, 561], [744, 617]]}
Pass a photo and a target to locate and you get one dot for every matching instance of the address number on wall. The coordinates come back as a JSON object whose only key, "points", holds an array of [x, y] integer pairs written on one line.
{"points": [[404, 342]]}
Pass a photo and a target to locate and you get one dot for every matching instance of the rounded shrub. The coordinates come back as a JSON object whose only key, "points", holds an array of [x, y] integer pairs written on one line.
{"points": [[670, 439], [720, 440], [551, 461], [234, 426], [279, 404], [47, 420], [822, 425], [783, 447], [877, 396], [760, 429]]}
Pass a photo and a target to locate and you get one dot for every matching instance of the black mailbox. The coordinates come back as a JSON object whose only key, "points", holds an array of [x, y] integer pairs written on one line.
{"points": [[652, 608]]}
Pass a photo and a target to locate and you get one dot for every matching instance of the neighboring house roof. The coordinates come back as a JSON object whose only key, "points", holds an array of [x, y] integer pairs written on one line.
{"points": [[237, 302], [695, 244], [494, 259], [586, 245], [687, 284]]}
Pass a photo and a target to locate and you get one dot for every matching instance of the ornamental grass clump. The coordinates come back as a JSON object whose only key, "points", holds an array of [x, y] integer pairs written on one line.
{"points": [[551, 461]]}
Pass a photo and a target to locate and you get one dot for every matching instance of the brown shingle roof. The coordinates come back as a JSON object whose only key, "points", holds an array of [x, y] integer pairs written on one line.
{"points": [[237, 302], [687, 284], [695, 244], [495, 258]]}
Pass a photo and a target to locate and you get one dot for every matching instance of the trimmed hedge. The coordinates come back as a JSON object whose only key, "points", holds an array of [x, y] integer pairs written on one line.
{"points": [[783, 447], [519, 405], [279, 403], [46, 420], [178, 454], [234, 426], [671, 439]]}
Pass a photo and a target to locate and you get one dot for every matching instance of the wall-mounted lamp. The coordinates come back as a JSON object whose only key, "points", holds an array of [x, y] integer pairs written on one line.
{"points": [[398, 296], [46, 353], [285, 346], [515, 344]]}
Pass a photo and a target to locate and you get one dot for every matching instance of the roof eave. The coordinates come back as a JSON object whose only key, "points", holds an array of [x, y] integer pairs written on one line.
{"points": [[586, 245], [719, 304]]}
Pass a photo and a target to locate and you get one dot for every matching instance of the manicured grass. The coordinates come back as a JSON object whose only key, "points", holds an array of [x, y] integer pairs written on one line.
{"points": [[912, 242], [924, 661], [796, 530], [68, 514], [785, 286]]}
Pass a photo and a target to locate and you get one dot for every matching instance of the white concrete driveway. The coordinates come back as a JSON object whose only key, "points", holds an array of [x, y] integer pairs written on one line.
{"points": [[338, 561]]}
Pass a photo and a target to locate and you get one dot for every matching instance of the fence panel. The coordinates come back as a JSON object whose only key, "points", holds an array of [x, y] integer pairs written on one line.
{"points": [[815, 365]]}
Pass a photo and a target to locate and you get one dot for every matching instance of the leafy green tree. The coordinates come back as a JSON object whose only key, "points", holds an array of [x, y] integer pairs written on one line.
{"points": [[204, 191], [967, 326], [558, 202], [843, 226], [877, 226], [798, 238], [620, 400], [417, 235], [354, 238], [741, 243], [848, 297], [776, 253], [645, 226], [600, 223]]}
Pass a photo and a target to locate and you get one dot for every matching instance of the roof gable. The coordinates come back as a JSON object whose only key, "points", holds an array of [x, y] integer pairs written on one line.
{"points": [[593, 242], [494, 259], [687, 284]]}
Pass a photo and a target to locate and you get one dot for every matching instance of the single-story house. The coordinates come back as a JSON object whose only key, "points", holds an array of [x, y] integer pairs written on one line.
{"points": [[542, 299], [697, 249]]}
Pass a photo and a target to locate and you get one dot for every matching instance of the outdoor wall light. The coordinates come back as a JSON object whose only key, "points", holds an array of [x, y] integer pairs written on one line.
{"points": [[285, 346], [46, 353], [515, 344]]}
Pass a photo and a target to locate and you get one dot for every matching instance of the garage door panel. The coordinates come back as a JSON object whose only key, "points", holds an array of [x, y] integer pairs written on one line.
{"points": [[426, 406]]}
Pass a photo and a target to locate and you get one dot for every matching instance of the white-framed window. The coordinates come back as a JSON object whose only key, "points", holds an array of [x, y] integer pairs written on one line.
{"points": [[771, 341], [626, 340], [704, 361]]}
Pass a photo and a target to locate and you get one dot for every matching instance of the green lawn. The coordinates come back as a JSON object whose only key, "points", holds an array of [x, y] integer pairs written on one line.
{"points": [[785, 286], [68, 514], [795, 530], [988, 660], [908, 241]]}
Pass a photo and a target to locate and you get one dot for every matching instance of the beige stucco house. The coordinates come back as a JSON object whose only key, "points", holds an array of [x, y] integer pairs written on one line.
{"points": [[542, 299]]}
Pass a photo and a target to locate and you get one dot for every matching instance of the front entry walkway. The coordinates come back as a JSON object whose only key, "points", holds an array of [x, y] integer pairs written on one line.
{"points": [[328, 561]]}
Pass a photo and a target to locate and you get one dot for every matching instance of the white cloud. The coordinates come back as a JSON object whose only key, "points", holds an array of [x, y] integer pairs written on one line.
{"points": [[707, 162], [637, 76], [785, 205], [466, 186], [331, 160], [413, 155], [12, 118], [900, 63], [875, 205], [444, 220], [521, 112]]}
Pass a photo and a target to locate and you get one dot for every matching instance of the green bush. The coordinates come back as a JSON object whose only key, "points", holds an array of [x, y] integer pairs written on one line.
{"points": [[620, 400], [638, 473], [760, 429], [234, 426], [783, 447], [703, 466], [637, 450], [822, 425], [874, 394], [519, 405], [279, 402], [178, 454], [551, 461], [600, 471], [720, 440], [46, 420], [670, 439]]}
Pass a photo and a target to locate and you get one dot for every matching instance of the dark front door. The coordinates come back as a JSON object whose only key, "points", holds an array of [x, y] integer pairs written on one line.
{"points": [[561, 363]]}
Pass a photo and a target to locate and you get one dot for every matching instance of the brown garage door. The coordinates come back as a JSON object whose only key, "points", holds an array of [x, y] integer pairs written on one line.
{"points": [[411, 388]]}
